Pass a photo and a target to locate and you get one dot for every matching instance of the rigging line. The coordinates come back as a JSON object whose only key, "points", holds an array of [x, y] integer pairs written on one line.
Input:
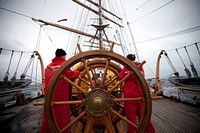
{"points": [[188, 55], [18, 63], [49, 37], [186, 70], [193, 29], [122, 38], [83, 20], [136, 51], [33, 64], [27, 66], [192, 65], [183, 47], [133, 39], [123, 11], [113, 9], [180, 58], [143, 4], [15, 73], [10, 62], [197, 48], [96, 4], [69, 46], [110, 5], [43, 9], [131, 34], [7, 72], [170, 63], [38, 39], [36, 71], [80, 25], [152, 11], [1, 49], [15, 12]]}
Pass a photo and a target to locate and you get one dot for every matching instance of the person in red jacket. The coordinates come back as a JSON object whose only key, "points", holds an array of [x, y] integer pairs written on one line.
{"points": [[61, 112], [132, 90]]}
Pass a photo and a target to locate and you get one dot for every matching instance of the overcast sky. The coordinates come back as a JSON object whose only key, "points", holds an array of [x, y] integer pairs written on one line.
{"points": [[156, 25]]}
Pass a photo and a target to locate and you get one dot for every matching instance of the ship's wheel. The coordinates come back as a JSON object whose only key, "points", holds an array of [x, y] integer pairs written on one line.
{"points": [[97, 100]]}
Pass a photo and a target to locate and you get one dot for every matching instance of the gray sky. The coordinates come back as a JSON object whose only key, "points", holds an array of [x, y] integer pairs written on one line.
{"points": [[148, 20]]}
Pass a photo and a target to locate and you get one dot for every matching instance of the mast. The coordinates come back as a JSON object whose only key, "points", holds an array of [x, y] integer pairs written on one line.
{"points": [[100, 27], [100, 24]]}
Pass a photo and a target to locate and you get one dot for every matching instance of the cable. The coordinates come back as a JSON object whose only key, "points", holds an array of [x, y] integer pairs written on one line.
{"points": [[194, 71], [186, 70], [197, 47], [170, 63], [5, 80], [193, 29], [143, 4], [1, 50], [152, 11], [185, 46], [15, 12], [49, 37]]}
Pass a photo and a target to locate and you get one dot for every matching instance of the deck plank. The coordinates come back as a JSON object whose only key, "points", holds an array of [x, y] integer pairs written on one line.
{"points": [[170, 116], [167, 116]]}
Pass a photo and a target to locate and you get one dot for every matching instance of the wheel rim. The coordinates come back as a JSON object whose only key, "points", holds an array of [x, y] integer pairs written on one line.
{"points": [[97, 101]]}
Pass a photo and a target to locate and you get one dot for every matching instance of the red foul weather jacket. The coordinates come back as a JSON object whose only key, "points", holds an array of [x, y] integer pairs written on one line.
{"points": [[62, 112], [132, 90]]}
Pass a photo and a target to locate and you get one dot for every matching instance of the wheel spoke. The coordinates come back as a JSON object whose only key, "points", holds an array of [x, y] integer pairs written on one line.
{"points": [[125, 119], [105, 73], [89, 124], [84, 80], [108, 123], [128, 99], [120, 82], [75, 85], [88, 73], [74, 120], [110, 81], [94, 74], [67, 102]]}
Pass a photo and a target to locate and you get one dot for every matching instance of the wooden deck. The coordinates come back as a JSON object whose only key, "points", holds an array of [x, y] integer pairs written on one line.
{"points": [[168, 117]]}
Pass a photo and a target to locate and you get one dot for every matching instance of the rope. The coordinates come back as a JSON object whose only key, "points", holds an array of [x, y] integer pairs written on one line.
{"points": [[27, 67], [32, 66], [19, 62], [171, 65], [49, 37], [180, 58], [184, 46], [15, 12], [153, 11], [192, 29], [197, 48], [3, 49], [143, 4], [188, 55], [7, 72], [194, 71], [14, 76], [186, 70]]}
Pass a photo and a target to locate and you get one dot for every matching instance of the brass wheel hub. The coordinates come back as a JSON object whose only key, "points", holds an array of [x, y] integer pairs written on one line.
{"points": [[98, 102]]}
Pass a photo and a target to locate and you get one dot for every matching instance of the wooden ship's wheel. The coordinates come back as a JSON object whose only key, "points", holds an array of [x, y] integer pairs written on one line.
{"points": [[97, 100]]}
